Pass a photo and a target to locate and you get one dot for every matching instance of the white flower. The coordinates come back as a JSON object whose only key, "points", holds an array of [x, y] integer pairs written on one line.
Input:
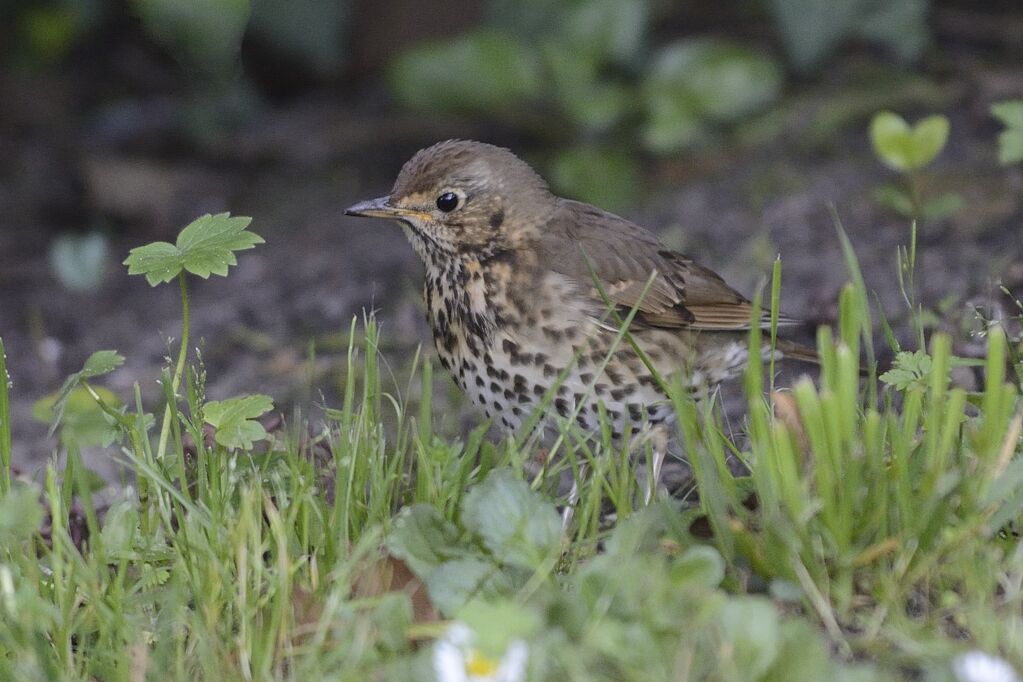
{"points": [[455, 659], [977, 666]]}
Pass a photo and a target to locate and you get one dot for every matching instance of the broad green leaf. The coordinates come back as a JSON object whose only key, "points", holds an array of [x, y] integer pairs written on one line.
{"points": [[83, 421], [910, 370], [905, 148], [1010, 140], [496, 624], [704, 80], [234, 420], [701, 566], [120, 528], [423, 539], [749, 630], [484, 71], [99, 363], [21, 512], [206, 35], [516, 523], [454, 583], [1010, 146], [79, 260], [205, 247], [1009, 112]]}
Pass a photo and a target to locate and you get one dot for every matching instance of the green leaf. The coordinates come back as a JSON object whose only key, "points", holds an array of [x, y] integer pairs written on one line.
{"points": [[1009, 112], [79, 261], [1010, 146], [83, 421], [749, 630], [1010, 140], [423, 539], [20, 512], [516, 523], [205, 35], [234, 420], [497, 624], [205, 247], [454, 583], [99, 363], [904, 148], [910, 370], [700, 565], [481, 72], [703, 80]]}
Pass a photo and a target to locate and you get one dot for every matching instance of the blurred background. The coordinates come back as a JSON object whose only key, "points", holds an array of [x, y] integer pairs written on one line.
{"points": [[739, 130]]}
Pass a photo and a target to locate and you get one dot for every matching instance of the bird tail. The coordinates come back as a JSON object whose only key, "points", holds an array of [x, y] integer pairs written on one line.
{"points": [[797, 351]]}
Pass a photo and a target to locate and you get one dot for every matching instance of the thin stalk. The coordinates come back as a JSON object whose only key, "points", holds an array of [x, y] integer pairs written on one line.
{"points": [[5, 423], [179, 368]]}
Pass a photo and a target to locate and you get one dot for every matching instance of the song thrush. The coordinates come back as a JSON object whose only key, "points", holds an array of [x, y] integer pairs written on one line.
{"points": [[518, 286]]}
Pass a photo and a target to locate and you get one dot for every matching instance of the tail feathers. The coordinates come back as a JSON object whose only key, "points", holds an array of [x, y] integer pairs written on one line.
{"points": [[797, 351]]}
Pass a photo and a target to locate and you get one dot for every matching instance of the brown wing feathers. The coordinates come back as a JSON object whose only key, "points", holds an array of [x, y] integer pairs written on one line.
{"points": [[582, 240]]}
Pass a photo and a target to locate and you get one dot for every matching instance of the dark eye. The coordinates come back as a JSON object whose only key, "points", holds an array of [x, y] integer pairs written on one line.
{"points": [[447, 202]]}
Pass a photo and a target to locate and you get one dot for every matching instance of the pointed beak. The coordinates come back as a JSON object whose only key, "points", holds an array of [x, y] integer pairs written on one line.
{"points": [[374, 208]]}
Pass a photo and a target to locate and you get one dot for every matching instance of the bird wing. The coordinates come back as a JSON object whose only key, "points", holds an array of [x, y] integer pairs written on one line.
{"points": [[583, 242]]}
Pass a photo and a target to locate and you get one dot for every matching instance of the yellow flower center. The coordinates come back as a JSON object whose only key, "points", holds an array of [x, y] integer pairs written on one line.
{"points": [[479, 665]]}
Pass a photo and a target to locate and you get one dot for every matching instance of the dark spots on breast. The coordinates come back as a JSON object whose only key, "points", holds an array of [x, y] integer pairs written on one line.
{"points": [[617, 394], [523, 397], [496, 219], [614, 376], [552, 333], [578, 398], [495, 387], [635, 411], [538, 389], [479, 381], [510, 347], [549, 371], [517, 411], [600, 388], [540, 359], [519, 382], [647, 380], [444, 362], [581, 420], [509, 394], [561, 405], [586, 377], [491, 372]]}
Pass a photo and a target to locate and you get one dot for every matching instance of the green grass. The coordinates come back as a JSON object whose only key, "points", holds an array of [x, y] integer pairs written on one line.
{"points": [[883, 541]]}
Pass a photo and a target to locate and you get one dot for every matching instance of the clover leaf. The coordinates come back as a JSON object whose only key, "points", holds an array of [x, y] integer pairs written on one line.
{"points": [[235, 419], [205, 247]]}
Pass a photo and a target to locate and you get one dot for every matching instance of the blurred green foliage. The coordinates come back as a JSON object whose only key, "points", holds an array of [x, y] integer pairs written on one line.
{"points": [[1010, 140], [587, 75], [813, 30]]}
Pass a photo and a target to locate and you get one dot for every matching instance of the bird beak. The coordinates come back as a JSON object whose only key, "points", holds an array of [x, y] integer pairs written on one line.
{"points": [[375, 208]]}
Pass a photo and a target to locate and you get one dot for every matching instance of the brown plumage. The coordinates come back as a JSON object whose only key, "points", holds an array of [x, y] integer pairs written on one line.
{"points": [[516, 280]]}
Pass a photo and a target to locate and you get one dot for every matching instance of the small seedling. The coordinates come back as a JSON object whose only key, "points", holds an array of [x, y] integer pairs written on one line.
{"points": [[908, 150]]}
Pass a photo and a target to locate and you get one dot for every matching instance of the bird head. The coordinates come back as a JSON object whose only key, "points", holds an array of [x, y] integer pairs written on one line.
{"points": [[465, 198]]}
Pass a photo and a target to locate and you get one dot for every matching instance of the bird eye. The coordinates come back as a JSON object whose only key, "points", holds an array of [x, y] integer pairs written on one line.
{"points": [[447, 202]]}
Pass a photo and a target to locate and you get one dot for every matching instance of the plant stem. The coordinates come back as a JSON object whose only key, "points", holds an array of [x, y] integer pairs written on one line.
{"points": [[179, 368], [5, 424]]}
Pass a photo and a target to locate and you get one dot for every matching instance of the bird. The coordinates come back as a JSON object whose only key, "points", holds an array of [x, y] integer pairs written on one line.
{"points": [[527, 294]]}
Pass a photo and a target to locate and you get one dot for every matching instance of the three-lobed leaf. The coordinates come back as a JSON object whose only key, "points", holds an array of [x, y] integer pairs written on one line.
{"points": [[205, 247], [234, 420]]}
